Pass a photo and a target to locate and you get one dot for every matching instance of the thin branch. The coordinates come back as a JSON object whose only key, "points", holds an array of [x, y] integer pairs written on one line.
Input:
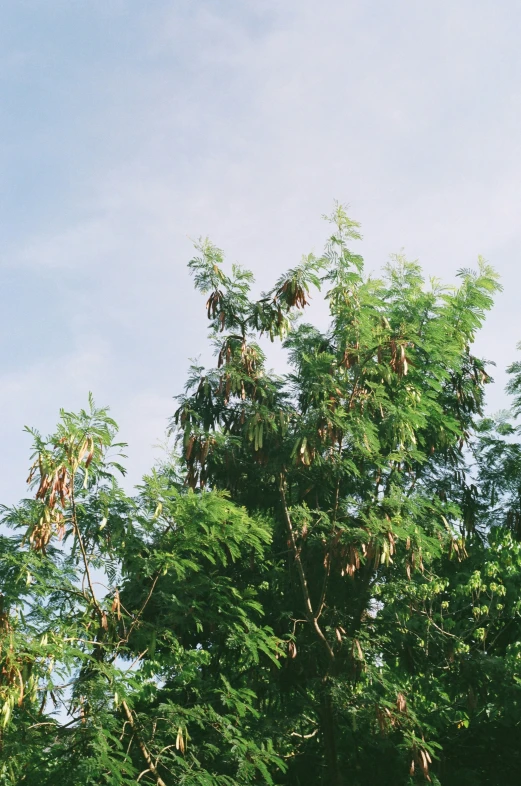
{"points": [[166, 748], [82, 548], [322, 601], [312, 618], [431, 622], [136, 660], [130, 742], [491, 643], [143, 607], [304, 736], [144, 750], [123, 732]]}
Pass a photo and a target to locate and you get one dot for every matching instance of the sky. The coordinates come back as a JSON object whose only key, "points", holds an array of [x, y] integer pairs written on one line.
{"points": [[129, 127]]}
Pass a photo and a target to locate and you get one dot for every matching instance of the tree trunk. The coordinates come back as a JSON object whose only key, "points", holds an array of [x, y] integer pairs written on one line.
{"points": [[334, 775]]}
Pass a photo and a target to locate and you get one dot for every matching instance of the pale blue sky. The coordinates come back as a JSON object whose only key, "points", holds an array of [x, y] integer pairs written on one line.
{"points": [[128, 127]]}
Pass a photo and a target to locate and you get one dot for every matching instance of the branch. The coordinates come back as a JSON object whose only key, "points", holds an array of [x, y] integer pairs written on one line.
{"points": [[82, 548], [311, 616], [327, 571], [143, 607], [322, 601], [144, 750], [141, 654], [304, 736]]}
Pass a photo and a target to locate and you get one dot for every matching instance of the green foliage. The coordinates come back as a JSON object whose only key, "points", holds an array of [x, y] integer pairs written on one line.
{"points": [[110, 609], [323, 586]]}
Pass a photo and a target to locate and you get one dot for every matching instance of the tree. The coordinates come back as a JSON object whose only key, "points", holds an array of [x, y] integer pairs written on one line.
{"points": [[322, 587], [78, 634]]}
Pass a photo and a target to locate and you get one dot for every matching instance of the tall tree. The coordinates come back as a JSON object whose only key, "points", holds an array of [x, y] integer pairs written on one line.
{"points": [[357, 459], [322, 586]]}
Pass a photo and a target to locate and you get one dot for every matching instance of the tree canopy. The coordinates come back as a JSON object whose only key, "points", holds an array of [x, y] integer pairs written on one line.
{"points": [[322, 585]]}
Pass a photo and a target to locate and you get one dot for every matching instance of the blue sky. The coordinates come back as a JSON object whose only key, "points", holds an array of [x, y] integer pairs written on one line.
{"points": [[128, 127]]}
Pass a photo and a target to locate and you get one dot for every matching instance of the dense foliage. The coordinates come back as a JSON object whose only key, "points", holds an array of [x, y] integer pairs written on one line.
{"points": [[322, 585]]}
